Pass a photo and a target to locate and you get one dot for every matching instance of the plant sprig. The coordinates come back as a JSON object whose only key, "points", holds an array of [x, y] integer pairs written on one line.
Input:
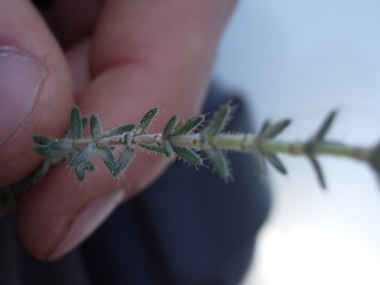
{"points": [[183, 140]]}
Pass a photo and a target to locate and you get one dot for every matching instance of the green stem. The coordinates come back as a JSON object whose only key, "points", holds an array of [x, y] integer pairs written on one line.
{"points": [[238, 142]]}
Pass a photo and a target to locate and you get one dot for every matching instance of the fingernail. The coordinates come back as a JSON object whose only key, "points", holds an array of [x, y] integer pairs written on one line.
{"points": [[87, 221], [20, 80]]}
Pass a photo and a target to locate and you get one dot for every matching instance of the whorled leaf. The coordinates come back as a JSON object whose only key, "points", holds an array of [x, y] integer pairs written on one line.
{"points": [[259, 162], [325, 126], [124, 160], [80, 171], [273, 130], [220, 163], [168, 149], [188, 155], [147, 119], [219, 119], [264, 128], [95, 127], [189, 125], [276, 162], [318, 170], [76, 126], [169, 128], [118, 131], [62, 144], [85, 155], [108, 157], [42, 140], [158, 149], [45, 150], [84, 121]]}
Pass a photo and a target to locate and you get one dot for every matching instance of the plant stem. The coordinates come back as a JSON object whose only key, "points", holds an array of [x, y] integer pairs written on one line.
{"points": [[236, 142]]}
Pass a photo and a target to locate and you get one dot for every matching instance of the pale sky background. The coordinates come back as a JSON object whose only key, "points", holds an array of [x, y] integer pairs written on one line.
{"points": [[300, 60]]}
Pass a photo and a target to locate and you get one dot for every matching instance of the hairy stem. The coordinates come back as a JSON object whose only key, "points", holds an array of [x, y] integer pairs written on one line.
{"points": [[236, 142]]}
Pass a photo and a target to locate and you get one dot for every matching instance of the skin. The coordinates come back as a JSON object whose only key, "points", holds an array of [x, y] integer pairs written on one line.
{"points": [[117, 59]]}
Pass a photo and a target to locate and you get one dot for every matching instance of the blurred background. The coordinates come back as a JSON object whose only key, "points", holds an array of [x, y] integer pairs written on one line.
{"points": [[300, 60]]}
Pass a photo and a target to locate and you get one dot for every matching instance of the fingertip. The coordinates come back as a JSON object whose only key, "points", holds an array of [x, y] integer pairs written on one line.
{"points": [[36, 88]]}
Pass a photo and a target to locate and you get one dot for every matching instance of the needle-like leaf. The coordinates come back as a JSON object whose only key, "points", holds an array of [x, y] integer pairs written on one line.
{"points": [[169, 128], [276, 162], [325, 127], [273, 130], [219, 120], [318, 170], [147, 119], [189, 125], [158, 149], [188, 155], [220, 163]]}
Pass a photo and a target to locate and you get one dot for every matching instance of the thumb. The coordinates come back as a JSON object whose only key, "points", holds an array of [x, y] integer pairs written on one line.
{"points": [[36, 88]]}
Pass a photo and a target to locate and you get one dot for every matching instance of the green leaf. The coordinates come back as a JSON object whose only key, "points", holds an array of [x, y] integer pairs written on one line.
{"points": [[259, 162], [62, 144], [168, 149], [124, 160], [318, 170], [108, 158], [273, 130], [220, 163], [159, 149], [219, 120], [86, 154], [46, 151], [95, 127], [118, 131], [189, 125], [84, 122], [147, 119], [42, 140], [80, 171], [264, 128], [325, 126], [76, 127], [169, 128], [276, 162], [188, 155]]}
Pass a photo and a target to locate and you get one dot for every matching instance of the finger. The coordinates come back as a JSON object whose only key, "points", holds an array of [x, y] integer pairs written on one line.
{"points": [[145, 54], [78, 57], [75, 19], [35, 88]]}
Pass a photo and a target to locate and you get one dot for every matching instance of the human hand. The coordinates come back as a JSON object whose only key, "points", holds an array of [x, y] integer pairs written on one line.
{"points": [[125, 57]]}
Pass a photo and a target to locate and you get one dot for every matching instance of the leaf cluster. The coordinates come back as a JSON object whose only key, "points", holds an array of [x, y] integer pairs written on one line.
{"points": [[79, 157]]}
